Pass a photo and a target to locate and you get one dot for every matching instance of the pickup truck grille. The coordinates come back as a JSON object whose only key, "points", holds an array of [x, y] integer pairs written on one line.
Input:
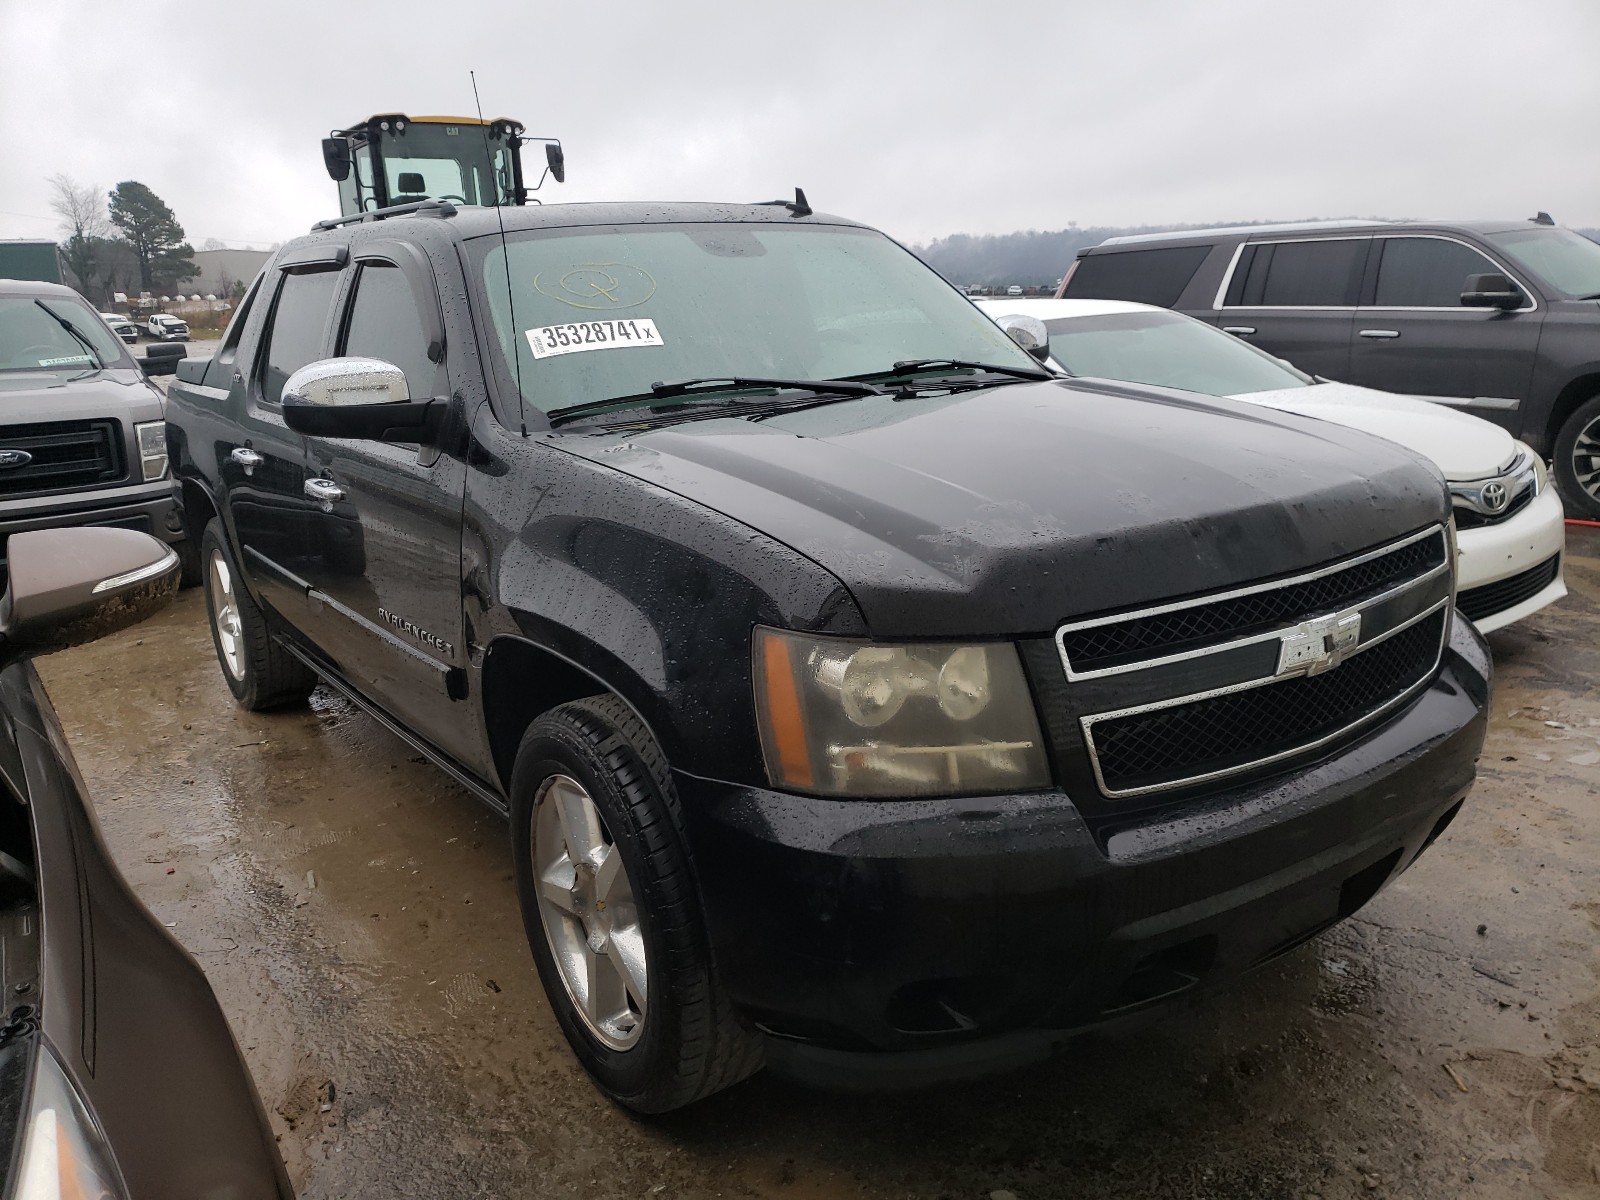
{"points": [[63, 456], [1173, 697], [1207, 737], [1107, 643]]}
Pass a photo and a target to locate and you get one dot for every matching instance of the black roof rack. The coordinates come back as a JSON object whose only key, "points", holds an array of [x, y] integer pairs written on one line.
{"points": [[420, 208]]}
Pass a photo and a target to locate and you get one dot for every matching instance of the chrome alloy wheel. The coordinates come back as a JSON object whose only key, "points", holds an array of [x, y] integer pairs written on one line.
{"points": [[586, 906], [1586, 458], [225, 607]]}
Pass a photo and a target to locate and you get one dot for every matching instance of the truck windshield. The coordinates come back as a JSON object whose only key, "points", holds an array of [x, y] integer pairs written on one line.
{"points": [[1167, 350], [607, 312], [1567, 261], [51, 334]]}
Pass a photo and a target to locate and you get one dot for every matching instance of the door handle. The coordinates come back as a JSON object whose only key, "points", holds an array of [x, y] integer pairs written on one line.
{"points": [[1241, 330], [246, 458], [1380, 333], [324, 492]]}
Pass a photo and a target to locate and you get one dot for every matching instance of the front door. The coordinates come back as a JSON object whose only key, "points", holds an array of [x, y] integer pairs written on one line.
{"points": [[1413, 335], [263, 464], [1296, 299], [386, 562]]}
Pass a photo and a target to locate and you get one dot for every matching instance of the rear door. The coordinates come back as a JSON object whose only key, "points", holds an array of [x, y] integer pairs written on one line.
{"points": [[1296, 298], [386, 569], [263, 461], [1414, 336]]}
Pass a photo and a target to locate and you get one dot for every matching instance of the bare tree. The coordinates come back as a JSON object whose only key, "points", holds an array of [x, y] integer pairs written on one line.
{"points": [[82, 209], [214, 244]]}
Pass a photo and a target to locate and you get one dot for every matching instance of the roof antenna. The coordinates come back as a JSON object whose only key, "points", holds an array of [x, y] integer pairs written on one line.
{"points": [[1544, 218], [505, 253], [797, 207]]}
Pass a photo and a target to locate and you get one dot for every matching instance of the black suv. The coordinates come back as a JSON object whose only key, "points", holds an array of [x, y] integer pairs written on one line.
{"points": [[1498, 317], [862, 696]]}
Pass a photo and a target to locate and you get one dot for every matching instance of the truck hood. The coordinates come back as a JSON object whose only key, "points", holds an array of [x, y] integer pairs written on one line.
{"points": [[1005, 511], [1459, 444], [27, 397]]}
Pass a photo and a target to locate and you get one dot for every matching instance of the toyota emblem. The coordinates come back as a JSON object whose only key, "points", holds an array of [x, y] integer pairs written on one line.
{"points": [[1493, 496]]}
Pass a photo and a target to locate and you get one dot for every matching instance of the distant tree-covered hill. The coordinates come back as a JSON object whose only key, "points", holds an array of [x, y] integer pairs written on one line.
{"points": [[1035, 258]]}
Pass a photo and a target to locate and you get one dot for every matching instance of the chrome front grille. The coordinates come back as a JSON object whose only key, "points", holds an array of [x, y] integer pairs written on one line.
{"points": [[1245, 679]]}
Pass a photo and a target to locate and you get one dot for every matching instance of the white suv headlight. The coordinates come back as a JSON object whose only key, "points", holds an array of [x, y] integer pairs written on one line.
{"points": [[64, 1156], [850, 718], [152, 438]]}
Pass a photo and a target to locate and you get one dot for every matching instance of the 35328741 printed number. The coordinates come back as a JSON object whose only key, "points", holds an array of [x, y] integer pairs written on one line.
{"points": [[550, 340]]}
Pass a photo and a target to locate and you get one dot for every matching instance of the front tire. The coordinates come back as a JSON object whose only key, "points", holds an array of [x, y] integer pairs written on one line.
{"points": [[259, 672], [1577, 460], [609, 904]]}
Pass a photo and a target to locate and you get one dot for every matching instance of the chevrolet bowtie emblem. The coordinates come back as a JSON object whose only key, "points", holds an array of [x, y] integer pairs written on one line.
{"points": [[1319, 644]]}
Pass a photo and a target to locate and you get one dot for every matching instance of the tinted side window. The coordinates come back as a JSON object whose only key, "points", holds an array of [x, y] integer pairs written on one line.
{"points": [[1145, 276], [1317, 274], [384, 323], [230, 340], [299, 320], [1419, 272]]}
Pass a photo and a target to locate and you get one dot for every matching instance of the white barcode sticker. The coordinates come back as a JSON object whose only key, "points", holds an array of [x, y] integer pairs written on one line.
{"points": [[579, 336]]}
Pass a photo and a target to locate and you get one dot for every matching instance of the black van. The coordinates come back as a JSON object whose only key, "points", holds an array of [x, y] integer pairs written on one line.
{"points": [[1498, 317]]}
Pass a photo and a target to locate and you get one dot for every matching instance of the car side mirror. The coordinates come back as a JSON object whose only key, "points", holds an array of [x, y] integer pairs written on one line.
{"points": [[1491, 290], [336, 157], [73, 585], [1028, 332], [363, 398], [556, 159]]}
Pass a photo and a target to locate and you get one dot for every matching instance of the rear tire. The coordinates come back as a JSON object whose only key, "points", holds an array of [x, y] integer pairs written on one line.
{"points": [[259, 672], [1577, 460], [590, 790]]}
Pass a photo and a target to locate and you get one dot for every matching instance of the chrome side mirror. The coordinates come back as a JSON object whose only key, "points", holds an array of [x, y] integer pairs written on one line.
{"points": [[1027, 332], [73, 585], [342, 382], [359, 398]]}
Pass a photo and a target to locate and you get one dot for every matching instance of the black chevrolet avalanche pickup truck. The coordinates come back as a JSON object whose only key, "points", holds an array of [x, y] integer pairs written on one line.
{"points": [[865, 699]]}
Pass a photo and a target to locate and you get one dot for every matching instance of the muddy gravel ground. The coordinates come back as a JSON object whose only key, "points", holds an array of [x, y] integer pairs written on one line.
{"points": [[354, 911]]}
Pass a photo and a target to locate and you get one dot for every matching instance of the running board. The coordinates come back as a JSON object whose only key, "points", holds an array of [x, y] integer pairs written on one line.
{"points": [[432, 753]]}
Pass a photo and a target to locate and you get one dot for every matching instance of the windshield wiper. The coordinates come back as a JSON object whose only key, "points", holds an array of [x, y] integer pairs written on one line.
{"points": [[693, 391], [1592, 296], [77, 334], [922, 366]]}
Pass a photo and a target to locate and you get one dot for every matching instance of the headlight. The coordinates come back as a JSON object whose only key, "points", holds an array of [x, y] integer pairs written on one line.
{"points": [[1541, 473], [848, 718], [64, 1157], [152, 437]]}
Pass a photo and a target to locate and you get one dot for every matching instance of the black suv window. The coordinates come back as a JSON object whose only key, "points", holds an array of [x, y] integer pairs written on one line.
{"points": [[1319, 274], [299, 320], [1144, 276], [1424, 272], [384, 323]]}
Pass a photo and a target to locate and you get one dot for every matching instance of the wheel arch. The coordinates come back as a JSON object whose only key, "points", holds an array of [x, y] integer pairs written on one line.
{"points": [[198, 508], [1578, 390], [521, 679]]}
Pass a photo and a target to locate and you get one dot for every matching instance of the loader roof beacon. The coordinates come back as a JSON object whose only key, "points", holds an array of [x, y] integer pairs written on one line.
{"points": [[393, 159]]}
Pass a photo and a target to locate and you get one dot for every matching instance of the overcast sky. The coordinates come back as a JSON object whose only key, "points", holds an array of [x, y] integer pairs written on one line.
{"points": [[921, 118]]}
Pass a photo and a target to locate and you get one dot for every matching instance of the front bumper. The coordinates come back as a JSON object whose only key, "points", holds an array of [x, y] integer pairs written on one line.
{"points": [[1492, 554], [895, 942], [150, 508]]}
